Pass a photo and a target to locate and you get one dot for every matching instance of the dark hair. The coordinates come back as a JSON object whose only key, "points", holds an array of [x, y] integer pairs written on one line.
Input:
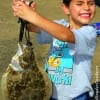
{"points": [[97, 2], [67, 2]]}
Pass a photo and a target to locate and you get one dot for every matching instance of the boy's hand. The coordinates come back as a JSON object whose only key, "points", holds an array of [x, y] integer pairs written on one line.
{"points": [[21, 9]]}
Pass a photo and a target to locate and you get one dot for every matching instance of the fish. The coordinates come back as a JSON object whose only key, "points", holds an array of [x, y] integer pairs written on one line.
{"points": [[24, 79]]}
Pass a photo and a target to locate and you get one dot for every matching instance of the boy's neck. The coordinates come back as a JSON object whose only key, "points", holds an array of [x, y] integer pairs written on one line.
{"points": [[73, 25]]}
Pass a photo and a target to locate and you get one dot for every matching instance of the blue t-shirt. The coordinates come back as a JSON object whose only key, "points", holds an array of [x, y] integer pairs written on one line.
{"points": [[69, 65]]}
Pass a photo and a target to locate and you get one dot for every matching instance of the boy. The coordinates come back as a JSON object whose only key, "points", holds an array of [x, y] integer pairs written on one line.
{"points": [[72, 46]]}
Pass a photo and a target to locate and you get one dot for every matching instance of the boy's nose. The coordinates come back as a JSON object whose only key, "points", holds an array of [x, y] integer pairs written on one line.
{"points": [[86, 6]]}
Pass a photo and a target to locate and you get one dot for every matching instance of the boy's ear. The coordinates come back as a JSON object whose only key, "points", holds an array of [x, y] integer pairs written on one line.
{"points": [[65, 9]]}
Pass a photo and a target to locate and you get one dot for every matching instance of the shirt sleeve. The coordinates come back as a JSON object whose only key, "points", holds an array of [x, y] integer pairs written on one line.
{"points": [[85, 40], [43, 37]]}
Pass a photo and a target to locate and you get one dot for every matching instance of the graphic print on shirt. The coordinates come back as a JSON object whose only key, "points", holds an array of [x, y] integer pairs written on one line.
{"points": [[60, 63]]}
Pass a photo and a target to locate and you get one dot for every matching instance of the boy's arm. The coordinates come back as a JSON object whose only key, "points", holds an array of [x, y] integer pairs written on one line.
{"points": [[33, 28], [58, 31], [41, 36]]}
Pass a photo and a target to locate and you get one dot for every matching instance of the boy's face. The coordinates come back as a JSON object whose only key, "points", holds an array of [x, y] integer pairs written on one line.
{"points": [[81, 11]]}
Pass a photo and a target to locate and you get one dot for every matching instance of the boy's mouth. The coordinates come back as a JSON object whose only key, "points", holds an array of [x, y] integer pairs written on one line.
{"points": [[85, 15]]}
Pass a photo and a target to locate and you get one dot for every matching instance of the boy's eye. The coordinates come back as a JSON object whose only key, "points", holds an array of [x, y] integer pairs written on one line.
{"points": [[91, 3], [88, 3], [79, 4]]}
